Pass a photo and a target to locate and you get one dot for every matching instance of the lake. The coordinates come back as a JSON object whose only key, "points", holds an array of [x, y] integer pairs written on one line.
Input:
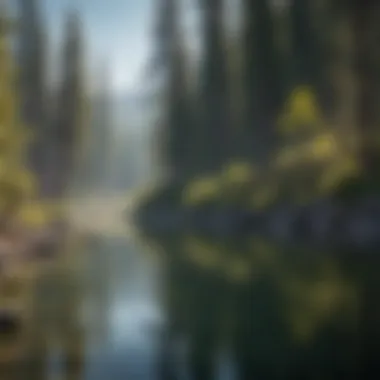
{"points": [[190, 307]]}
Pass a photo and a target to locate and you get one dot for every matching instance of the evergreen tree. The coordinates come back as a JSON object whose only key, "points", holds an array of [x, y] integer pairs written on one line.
{"points": [[262, 74], [179, 137], [310, 52], [170, 62], [101, 133], [214, 89], [17, 184], [69, 129], [309, 84], [342, 73], [304, 44], [237, 98], [32, 69], [365, 26]]}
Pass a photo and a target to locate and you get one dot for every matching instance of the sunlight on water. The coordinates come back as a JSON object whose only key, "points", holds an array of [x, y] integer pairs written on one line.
{"points": [[135, 322]]}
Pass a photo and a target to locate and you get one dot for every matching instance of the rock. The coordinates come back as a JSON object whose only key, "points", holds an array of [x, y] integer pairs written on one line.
{"points": [[315, 221], [322, 221], [282, 222], [9, 323], [362, 229]]}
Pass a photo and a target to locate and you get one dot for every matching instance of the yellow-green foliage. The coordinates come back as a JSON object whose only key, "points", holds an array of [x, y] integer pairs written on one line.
{"points": [[202, 253], [313, 300], [230, 184], [313, 161], [237, 180], [301, 111], [263, 195], [37, 213], [201, 191], [309, 165], [318, 148], [334, 173], [314, 289], [298, 174], [238, 172], [17, 184]]}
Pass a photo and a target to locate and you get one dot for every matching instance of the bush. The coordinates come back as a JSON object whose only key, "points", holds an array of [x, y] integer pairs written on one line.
{"points": [[356, 187]]}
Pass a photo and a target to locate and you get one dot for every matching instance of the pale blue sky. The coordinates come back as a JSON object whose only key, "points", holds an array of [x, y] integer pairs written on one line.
{"points": [[117, 31]]}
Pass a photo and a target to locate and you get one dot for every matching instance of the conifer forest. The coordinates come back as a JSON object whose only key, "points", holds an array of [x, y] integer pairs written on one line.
{"points": [[189, 189]]}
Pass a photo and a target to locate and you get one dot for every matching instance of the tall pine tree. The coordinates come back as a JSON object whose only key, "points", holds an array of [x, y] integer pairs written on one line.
{"points": [[263, 83], [342, 74], [17, 184], [101, 131], [303, 38], [32, 69], [69, 126], [176, 123], [309, 51], [214, 93], [365, 27]]}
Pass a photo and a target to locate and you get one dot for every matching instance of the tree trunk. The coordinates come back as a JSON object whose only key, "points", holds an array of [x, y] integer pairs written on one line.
{"points": [[364, 24]]}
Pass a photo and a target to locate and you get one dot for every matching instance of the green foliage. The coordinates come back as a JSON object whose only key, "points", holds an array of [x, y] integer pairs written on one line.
{"points": [[17, 183], [310, 160], [352, 188], [301, 112], [316, 167], [163, 194], [306, 293], [201, 191]]}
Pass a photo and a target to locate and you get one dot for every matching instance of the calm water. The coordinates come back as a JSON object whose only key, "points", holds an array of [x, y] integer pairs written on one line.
{"points": [[192, 308]]}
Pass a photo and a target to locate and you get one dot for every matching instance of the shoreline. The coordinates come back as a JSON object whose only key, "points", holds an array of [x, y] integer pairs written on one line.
{"points": [[25, 244], [322, 222]]}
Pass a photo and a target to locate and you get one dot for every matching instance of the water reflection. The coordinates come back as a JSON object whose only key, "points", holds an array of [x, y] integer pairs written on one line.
{"points": [[122, 338], [90, 313], [278, 313], [57, 330], [201, 309]]}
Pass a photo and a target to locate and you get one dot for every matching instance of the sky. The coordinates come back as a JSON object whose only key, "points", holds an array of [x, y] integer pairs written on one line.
{"points": [[117, 33], [120, 34]]}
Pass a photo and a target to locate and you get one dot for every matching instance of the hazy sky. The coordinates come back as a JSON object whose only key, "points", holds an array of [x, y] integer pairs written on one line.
{"points": [[117, 31]]}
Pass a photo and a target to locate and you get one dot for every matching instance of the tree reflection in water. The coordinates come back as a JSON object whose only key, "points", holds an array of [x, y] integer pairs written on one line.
{"points": [[57, 320], [275, 313], [283, 313]]}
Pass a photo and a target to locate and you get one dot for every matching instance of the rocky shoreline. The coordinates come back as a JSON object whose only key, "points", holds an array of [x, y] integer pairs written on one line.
{"points": [[324, 222], [24, 253], [21, 246]]}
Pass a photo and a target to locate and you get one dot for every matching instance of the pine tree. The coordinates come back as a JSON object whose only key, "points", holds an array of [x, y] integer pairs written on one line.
{"points": [[178, 116], [69, 126], [32, 69], [263, 82], [365, 27], [309, 53], [342, 74], [214, 89], [101, 133], [17, 184], [238, 138], [176, 122], [308, 71], [304, 65]]}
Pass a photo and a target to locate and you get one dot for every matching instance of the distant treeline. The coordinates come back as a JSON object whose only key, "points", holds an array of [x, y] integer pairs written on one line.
{"points": [[57, 114]]}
